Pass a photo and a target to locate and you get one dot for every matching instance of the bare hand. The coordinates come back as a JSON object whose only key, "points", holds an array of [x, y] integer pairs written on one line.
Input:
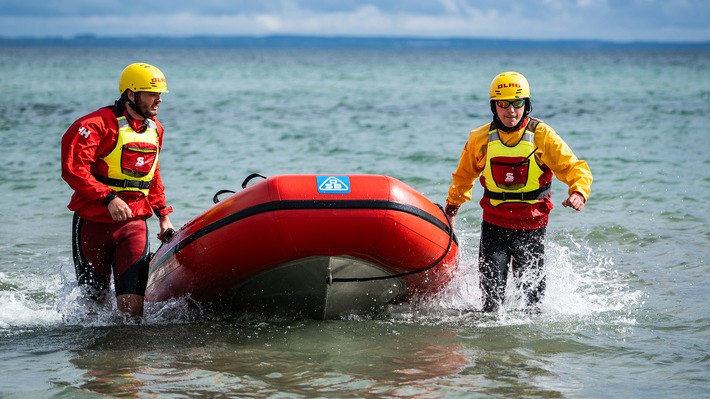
{"points": [[450, 211], [119, 210], [576, 201], [166, 229]]}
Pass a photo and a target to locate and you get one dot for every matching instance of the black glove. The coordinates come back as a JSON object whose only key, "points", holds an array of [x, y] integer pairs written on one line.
{"points": [[167, 235]]}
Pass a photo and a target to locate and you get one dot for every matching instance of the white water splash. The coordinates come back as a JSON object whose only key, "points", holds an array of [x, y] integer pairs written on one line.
{"points": [[35, 301], [581, 283], [24, 301]]}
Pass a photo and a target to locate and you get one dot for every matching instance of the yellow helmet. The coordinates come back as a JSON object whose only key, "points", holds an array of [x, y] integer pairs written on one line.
{"points": [[509, 85], [142, 77]]}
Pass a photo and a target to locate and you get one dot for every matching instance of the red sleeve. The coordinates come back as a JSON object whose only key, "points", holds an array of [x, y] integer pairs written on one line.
{"points": [[82, 143]]}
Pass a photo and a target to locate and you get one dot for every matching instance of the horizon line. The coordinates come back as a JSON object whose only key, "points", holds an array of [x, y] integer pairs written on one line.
{"points": [[279, 40]]}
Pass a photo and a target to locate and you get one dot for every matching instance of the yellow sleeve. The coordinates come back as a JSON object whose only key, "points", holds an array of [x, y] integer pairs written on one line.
{"points": [[470, 167], [556, 154]]}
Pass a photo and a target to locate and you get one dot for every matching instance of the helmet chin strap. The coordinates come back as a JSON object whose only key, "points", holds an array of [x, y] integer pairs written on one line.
{"points": [[134, 106]]}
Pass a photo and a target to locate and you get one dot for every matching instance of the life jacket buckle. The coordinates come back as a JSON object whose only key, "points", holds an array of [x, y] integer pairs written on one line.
{"points": [[507, 196]]}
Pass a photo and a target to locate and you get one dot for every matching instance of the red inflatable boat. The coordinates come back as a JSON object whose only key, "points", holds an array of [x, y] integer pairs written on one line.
{"points": [[311, 246]]}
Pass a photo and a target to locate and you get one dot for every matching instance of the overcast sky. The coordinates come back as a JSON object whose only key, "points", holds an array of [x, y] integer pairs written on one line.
{"points": [[615, 20]]}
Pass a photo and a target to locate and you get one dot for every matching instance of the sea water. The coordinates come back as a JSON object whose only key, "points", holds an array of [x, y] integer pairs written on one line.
{"points": [[625, 313]]}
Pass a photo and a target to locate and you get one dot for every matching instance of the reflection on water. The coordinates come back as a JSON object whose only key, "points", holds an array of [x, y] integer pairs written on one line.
{"points": [[373, 358], [258, 358]]}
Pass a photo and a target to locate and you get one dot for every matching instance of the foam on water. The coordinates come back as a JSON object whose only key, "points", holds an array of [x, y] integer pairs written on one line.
{"points": [[581, 283], [37, 301], [25, 301]]}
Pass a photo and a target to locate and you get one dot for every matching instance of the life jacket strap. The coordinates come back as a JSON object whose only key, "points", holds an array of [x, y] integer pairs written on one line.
{"points": [[139, 184], [540, 193]]}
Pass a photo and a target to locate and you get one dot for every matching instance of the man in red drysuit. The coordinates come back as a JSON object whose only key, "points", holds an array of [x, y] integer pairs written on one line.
{"points": [[110, 160]]}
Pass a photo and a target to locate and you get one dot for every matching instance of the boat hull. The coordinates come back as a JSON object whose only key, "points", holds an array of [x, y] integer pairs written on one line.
{"points": [[306, 246]]}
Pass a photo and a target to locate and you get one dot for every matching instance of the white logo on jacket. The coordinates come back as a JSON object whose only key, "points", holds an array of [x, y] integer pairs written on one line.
{"points": [[84, 132]]}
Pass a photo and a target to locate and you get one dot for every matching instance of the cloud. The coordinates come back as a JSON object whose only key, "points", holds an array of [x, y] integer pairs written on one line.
{"points": [[664, 20]]}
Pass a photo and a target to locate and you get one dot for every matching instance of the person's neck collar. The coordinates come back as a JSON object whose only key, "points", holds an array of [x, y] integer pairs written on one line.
{"points": [[521, 125]]}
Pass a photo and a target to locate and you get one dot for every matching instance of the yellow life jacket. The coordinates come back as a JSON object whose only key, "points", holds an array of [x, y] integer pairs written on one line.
{"points": [[132, 162], [511, 173]]}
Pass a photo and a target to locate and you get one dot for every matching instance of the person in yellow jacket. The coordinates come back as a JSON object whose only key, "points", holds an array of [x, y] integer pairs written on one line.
{"points": [[515, 157]]}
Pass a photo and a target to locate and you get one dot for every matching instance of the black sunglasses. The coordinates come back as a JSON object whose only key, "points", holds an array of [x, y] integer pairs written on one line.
{"points": [[508, 103]]}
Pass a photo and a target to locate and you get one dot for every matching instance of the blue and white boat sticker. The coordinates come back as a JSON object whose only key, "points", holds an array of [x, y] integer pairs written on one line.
{"points": [[333, 184]]}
